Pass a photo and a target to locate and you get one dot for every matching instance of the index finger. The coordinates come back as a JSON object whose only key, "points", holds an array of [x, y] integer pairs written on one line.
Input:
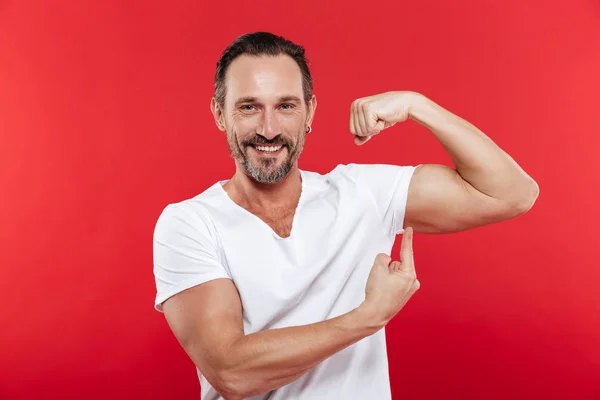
{"points": [[406, 250]]}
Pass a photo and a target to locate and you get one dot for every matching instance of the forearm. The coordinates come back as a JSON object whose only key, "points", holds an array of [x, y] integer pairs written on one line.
{"points": [[270, 359], [477, 158]]}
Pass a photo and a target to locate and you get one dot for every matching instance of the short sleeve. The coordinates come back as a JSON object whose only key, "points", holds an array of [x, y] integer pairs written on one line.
{"points": [[388, 184], [185, 253]]}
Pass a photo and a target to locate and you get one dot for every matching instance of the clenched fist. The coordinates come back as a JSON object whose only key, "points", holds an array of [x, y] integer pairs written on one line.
{"points": [[391, 283], [370, 115]]}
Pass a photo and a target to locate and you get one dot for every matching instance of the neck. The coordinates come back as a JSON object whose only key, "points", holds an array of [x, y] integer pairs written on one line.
{"points": [[252, 194]]}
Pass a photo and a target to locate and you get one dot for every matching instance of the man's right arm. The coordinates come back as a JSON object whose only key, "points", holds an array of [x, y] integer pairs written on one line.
{"points": [[207, 321]]}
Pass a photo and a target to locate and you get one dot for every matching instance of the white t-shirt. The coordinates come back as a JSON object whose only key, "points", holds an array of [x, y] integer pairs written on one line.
{"points": [[343, 220]]}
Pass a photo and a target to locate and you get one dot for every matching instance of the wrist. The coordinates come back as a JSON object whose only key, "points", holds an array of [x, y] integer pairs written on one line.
{"points": [[369, 318], [418, 107]]}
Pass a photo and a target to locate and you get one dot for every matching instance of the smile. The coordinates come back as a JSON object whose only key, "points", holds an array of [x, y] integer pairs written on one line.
{"points": [[268, 149]]}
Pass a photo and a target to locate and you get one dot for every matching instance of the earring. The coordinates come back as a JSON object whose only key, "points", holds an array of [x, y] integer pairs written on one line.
{"points": [[309, 130]]}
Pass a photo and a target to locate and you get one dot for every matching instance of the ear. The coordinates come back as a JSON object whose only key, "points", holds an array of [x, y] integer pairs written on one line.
{"points": [[312, 106], [217, 112]]}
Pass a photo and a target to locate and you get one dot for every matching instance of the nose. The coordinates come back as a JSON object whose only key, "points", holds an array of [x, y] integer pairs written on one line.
{"points": [[269, 127]]}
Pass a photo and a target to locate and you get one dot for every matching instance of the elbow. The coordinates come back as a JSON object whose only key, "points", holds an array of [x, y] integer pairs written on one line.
{"points": [[232, 386], [527, 198]]}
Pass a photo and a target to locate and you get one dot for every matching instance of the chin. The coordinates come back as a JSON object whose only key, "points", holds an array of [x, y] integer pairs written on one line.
{"points": [[267, 175]]}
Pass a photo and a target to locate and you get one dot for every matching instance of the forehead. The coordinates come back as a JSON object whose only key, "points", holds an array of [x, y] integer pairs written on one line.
{"points": [[263, 76]]}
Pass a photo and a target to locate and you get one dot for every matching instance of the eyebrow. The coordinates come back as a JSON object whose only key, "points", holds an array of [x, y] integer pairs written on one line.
{"points": [[281, 99]]}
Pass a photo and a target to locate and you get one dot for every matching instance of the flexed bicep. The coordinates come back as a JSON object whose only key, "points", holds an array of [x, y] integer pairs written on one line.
{"points": [[441, 201]]}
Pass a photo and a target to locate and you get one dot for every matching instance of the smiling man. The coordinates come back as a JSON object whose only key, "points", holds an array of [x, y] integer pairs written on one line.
{"points": [[278, 282]]}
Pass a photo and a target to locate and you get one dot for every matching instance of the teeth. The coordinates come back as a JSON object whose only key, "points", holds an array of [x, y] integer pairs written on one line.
{"points": [[268, 148]]}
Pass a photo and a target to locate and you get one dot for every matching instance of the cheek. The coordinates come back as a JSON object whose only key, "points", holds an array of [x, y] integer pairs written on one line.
{"points": [[291, 125], [244, 126]]}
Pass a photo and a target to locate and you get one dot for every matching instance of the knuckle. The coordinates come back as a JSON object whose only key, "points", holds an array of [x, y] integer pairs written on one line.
{"points": [[416, 285], [382, 257]]}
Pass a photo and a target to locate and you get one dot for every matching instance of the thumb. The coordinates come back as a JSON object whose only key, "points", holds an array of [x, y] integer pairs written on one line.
{"points": [[360, 140]]}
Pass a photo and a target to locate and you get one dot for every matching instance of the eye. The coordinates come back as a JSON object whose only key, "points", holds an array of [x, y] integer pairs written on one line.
{"points": [[247, 107], [287, 106]]}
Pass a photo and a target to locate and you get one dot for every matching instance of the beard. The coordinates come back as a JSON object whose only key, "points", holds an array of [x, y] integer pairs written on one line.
{"points": [[266, 169]]}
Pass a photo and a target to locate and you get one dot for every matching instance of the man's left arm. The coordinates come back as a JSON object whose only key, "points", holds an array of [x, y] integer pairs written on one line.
{"points": [[487, 185]]}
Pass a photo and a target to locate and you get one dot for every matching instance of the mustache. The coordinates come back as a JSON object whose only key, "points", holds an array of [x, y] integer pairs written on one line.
{"points": [[260, 141]]}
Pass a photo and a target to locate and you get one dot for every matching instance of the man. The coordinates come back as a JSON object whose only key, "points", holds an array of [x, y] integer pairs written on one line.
{"points": [[277, 282]]}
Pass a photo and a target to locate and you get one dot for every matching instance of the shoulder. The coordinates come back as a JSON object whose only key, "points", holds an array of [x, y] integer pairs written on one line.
{"points": [[192, 215], [338, 173], [369, 173], [354, 174]]}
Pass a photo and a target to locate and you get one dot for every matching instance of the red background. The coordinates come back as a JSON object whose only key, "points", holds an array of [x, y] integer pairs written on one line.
{"points": [[104, 119]]}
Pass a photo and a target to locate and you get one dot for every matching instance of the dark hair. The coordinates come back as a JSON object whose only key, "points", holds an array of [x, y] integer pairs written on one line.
{"points": [[258, 44]]}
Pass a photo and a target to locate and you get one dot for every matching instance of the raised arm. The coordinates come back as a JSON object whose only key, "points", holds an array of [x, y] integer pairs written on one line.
{"points": [[486, 185]]}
